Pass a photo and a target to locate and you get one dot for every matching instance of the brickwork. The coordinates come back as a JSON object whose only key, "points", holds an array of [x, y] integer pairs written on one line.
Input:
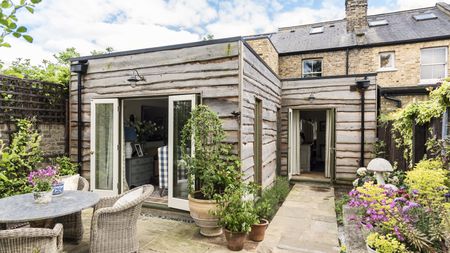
{"points": [[265, 49], [366, 60], [53, 137], [390, 106], [356, 15]]}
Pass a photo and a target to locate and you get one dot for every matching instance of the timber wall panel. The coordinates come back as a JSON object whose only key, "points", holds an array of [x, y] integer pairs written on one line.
{"points": [[210, 70], [259, 82], [334, 93]]}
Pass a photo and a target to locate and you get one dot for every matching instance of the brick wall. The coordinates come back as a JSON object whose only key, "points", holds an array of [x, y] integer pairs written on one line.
{"points": [[266, 51], [53, 137], [366, 60]]}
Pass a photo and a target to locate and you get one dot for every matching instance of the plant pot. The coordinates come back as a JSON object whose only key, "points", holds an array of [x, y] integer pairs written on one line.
{"points": [[200, 211], [42, 197], [58, 189], [370, 250], [235, 240], [258, 231]]}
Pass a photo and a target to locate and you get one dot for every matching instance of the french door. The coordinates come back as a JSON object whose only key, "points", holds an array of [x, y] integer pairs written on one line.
{"points": [[180, 108], [104, 149], [330, 139], [293, 142]]}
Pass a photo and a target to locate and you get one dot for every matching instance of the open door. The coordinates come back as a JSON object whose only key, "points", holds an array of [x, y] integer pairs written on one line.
{"points": [[104, 146], [180, 108], [294, 143], [330, 138]]}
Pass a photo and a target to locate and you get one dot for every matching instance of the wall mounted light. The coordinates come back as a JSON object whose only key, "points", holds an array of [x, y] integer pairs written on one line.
{"points": [[311, 97], [135, 77]]}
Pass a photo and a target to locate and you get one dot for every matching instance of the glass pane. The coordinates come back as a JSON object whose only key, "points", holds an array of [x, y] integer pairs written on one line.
{"points": [[317, 66], [386, 60], [426, 56], [104, 146], [439, 55], [181, 113], [426, 72], [307, 67], [438, 71]]}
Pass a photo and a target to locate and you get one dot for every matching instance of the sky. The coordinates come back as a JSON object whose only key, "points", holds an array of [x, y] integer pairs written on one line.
{"points": [[133, 24]]}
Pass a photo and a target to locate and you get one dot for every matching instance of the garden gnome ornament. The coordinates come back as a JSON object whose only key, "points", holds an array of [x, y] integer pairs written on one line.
{"points": [[379, 166]]}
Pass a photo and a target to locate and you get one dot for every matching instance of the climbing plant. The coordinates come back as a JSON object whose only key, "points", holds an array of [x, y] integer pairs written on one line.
{"points": [[417, 113]]}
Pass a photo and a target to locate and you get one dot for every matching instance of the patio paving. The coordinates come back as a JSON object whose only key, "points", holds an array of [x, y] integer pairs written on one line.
{"points": [[306, 222], [163, 235]]}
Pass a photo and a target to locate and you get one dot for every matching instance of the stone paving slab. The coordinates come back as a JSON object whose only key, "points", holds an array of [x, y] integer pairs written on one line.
{"points": [[306, 222]]}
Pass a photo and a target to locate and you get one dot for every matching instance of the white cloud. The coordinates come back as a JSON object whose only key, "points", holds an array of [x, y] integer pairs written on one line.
{"points": [[123, 25]]}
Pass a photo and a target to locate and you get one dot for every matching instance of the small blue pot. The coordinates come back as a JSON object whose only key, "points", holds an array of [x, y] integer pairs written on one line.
{"points": [[58, 188]]}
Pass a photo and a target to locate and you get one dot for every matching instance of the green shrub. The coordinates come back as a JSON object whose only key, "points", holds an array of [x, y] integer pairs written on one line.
{"points": [[339, 206], [65, 166], [385, 244], [268, 203], [19, 158], [281, 188]]}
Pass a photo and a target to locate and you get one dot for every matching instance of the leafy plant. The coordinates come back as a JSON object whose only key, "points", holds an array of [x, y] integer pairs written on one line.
{"points": [[145, 130], [8, 20], [235, 212], [339, 207], [65, 166], [213, 167], [43, 179], [19, 158], [268, 203], [385, 244]]}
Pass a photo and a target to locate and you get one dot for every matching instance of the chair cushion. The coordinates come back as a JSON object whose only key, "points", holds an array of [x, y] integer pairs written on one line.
{"points": [[70, 182], [128, 197]]}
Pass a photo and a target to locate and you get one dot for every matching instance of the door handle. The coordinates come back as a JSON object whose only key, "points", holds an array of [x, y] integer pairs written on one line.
{"points": [[92, 152]]}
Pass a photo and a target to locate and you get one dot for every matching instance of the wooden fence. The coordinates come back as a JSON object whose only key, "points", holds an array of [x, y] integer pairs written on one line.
{"points": [[21, 98], [421, 133]]}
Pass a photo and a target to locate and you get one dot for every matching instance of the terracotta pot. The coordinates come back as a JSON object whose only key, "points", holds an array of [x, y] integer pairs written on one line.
{"points": [[258, 231], [235, 240], [200, 212]]}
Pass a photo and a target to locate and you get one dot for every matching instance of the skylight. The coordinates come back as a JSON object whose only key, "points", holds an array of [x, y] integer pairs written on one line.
{"points": [[424, 16], [315, 30], [380, 22]]}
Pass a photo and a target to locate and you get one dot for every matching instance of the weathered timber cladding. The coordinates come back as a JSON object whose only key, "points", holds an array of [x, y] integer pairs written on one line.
{"points": [[209, 70], [258, 82], [334, 93]]}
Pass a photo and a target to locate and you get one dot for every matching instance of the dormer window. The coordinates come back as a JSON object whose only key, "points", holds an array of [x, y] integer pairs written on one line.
{"points": [[380, 22], [424, 16], [315, 30]]}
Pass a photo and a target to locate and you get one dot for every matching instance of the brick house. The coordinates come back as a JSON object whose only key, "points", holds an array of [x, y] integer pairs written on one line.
{"points": [[301, 102]]}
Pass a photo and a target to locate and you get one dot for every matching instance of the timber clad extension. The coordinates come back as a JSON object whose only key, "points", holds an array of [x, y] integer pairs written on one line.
{"points": [[232, 75]]}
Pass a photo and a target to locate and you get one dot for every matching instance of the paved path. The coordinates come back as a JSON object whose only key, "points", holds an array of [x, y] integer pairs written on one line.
{"points": [[306, 222]]}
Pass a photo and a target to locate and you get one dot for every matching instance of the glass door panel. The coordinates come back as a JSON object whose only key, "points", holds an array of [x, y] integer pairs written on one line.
{"points": [[104, 141], [180, 108]]}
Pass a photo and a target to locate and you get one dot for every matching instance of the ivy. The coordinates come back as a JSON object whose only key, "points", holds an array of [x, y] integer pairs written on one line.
{"points": [[417, 113]]}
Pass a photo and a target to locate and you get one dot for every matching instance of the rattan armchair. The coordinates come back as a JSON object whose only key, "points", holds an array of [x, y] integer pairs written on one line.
{"points": [[31, 240], [73, 225], [114, 229]]}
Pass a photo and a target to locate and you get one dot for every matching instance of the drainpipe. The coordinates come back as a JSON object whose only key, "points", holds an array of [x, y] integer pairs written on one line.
{"points": [[80, 68], [362, 86]]}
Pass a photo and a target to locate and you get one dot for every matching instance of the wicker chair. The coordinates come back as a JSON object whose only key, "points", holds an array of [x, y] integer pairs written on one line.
{"points": [[114, 229], [31, 240], [73, 225]]}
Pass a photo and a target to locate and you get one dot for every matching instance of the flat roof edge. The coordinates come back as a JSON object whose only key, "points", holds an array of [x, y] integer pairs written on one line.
{"points": [[161, 48]]}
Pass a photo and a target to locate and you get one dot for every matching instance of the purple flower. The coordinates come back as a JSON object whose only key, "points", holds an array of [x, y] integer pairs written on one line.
{"points": [[398, 234]]}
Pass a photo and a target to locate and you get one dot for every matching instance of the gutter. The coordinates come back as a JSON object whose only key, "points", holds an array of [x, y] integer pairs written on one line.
{"points": [[80, 68]]}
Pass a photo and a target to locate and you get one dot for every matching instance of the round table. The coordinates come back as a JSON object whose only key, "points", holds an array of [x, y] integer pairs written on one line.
{"points": [[22, 208]]}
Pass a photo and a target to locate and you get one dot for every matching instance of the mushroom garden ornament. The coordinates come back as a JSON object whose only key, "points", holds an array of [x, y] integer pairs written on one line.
{"points": [[379, 166]]}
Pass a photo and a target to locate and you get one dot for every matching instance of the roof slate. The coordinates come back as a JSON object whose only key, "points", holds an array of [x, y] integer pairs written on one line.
{"points": [[401, 27]]}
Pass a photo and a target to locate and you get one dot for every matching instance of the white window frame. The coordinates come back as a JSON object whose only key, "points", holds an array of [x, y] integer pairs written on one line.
{"points": [[303, 68], [433, 81], [380, 68]]}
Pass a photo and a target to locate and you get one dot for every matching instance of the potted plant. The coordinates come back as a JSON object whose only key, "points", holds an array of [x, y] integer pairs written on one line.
{"points": [[264, 209], [210, 169], [377, 243], [41, 181], [64, 167], [236, 215]]}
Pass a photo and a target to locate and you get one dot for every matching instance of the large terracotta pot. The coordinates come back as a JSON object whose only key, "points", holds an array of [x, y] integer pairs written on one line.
{"points": [[258, 231], [200, 212], [235, 240]]}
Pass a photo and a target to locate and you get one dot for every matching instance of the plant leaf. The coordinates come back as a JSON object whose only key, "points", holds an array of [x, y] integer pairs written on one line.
{"points": [[28, 38]]}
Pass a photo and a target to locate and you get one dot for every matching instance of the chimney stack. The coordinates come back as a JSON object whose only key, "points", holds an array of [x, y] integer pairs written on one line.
{"points": [[356, 15]]}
